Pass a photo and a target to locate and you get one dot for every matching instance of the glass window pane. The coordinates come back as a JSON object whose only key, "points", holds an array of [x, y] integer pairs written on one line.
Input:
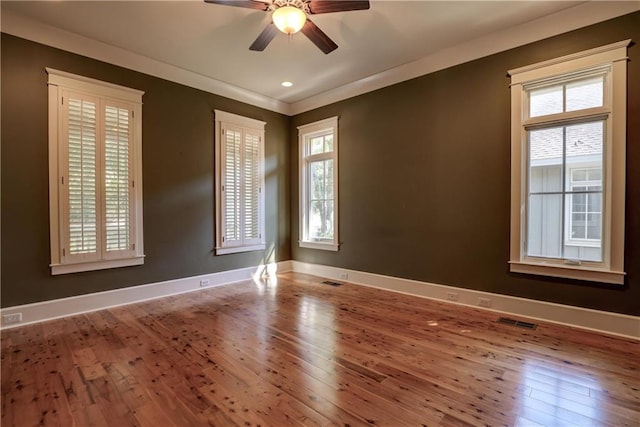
{"points": [[321, 220], [584, 148], [586, 93], [594, 174], [544, 224], [321, 180], [593, 226], [545, 160], [546, 100], [594, 202], [328, 143], [584, 227], [317, 181], [578, 202], [316, 145], [579, 175], [328, 179], [578, 226]]}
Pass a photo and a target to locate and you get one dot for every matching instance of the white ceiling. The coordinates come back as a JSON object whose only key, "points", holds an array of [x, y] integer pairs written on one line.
{"points": [[212, 41]]}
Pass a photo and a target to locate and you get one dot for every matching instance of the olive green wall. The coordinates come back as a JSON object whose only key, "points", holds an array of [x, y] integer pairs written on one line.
{"points": [[424, 177], [178, 173]]}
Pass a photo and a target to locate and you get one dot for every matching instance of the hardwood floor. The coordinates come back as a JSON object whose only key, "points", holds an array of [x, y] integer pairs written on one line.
{"points": [[293, 351]]}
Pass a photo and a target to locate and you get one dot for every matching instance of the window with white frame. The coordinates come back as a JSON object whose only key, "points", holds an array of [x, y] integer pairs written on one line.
{"points": [[585, 208], [239, 151], [318, 146], [568, 131], [95, 174]]}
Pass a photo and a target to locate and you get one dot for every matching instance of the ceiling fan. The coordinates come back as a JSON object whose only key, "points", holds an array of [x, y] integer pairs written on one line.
{"points": [[291, 16]]}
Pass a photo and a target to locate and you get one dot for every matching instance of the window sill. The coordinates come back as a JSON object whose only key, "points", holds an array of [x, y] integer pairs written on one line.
{"points": [[95, 265], [568, 272], [319, 245], [237, 249]]}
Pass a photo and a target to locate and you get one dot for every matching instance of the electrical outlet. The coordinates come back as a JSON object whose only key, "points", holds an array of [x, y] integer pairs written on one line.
{"points": [[484, 302], [204, 283], [452, 296], [344, 276], [12, 318]]}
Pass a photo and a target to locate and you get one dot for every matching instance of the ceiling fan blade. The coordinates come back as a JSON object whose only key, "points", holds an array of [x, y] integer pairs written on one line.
{"points": [[264, 38], [328, 6], [251, 4], [318, 37]]}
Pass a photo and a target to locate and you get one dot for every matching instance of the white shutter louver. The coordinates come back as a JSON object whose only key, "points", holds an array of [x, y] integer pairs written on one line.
{"points": [[117, 197], [82, 177], [251, 187], [232, 186]]}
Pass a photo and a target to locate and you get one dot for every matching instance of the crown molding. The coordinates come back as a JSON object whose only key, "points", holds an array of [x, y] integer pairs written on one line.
{"points": [[27, 28], [585, 14]]}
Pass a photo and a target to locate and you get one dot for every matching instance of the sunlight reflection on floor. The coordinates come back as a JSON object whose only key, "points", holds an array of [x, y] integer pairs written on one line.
{"points": [[559, 396]]}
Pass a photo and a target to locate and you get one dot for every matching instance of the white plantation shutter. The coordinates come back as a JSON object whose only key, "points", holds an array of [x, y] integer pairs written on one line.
{"points": [[80, 183], [231, 188], [240, 178], [252, 187], [95, 174], [117, 178]]}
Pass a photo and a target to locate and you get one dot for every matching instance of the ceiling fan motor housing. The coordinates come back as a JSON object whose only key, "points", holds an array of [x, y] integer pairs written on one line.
{"points": [[298, 4]]}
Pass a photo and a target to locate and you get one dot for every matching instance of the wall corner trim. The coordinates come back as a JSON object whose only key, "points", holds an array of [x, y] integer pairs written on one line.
{"points": [[63, 307], [594, 320]]}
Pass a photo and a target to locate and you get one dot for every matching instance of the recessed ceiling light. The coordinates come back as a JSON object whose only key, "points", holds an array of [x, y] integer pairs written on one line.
{"points": [[286, 84]]}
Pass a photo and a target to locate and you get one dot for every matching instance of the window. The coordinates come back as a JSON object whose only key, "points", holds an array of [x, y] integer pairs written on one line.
{"points": [[568, 131], [239, 182], [319, 184], [585, 216], [95, 174]]}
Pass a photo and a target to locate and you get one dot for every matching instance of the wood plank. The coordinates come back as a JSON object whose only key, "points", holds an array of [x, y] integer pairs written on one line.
{"points": [[302, 353]]}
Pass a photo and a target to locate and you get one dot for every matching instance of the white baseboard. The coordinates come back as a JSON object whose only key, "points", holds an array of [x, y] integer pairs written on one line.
{"points": [[54, 309], [595, 320], [584, 318]]}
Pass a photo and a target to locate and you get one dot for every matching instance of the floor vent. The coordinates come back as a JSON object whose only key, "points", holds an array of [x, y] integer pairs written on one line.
{"points": [[517, 323], [330, 283]]}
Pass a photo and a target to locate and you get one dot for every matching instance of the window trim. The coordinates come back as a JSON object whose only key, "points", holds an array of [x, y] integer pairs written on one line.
{"points": [[305, 133], [614, 57], [59, 81], [222, 118]]}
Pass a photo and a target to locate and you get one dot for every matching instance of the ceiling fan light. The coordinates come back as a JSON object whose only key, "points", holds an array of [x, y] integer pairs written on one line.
{"points": [[289, 19]]}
